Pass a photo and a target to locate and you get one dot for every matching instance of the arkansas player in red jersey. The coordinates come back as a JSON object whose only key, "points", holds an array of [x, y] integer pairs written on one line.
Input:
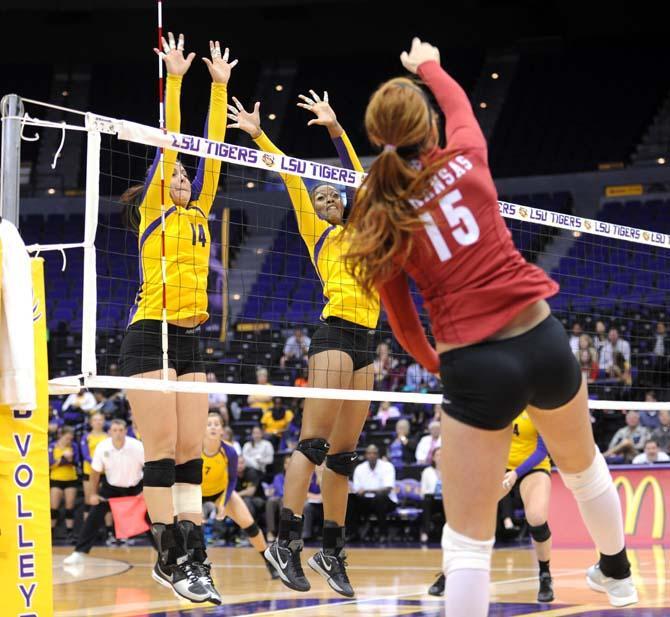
{"points": [[432, 214]]}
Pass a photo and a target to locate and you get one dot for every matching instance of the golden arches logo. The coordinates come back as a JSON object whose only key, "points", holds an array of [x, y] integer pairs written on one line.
{"points": [[634, 499]]}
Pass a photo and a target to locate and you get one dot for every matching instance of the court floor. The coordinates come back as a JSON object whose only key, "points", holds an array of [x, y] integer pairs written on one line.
{"points": [[389, 582]]}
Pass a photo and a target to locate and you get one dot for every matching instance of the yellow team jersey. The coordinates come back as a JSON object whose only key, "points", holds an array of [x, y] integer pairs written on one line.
{"points": [[524, 443], [66, 472], [276, 426], [92, 442], [345, 299], [187, 238], [219, 472]]}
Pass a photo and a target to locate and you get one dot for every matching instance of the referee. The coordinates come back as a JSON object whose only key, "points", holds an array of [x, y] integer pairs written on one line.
{"points": [[121, 459]]}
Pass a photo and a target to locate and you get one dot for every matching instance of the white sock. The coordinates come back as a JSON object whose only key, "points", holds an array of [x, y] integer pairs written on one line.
{"points": [[467, 593]]}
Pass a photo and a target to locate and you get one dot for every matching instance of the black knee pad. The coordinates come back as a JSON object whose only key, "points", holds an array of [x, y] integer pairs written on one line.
{"points": [[159, 473], [189, 472], [54, 514], [252, 531], [541, 533], [314, 449], [87, 508], [69, 513], [342, 463]]}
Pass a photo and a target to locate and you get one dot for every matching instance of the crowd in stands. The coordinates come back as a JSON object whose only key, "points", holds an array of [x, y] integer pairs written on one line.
{"points": [[397, 482]]}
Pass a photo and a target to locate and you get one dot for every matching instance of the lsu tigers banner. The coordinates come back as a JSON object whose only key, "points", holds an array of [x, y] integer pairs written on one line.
{"points": [[644, 491], [25, 527]]}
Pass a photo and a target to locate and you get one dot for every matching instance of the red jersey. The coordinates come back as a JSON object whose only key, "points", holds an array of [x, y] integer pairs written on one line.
{"points": [[464, 262]]}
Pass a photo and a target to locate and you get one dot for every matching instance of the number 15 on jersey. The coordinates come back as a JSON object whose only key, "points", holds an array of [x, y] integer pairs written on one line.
{"points": [[464, 228]]}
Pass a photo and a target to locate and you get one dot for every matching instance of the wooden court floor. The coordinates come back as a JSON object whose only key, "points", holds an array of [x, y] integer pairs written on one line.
{"points": [[389, 582]]}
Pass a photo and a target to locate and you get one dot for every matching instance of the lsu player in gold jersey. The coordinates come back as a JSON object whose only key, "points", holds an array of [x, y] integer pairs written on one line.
{"points": [[87, 445], [529, 472], [174, 289], [340, 356], [218, 487]]}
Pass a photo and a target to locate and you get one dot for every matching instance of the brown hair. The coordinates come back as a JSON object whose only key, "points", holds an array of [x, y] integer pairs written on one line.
{"points": [[131, 199], [382, 221]]}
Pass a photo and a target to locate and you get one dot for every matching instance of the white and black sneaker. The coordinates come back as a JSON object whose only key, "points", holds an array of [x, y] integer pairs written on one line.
{"points": [[286, 561], [173, 568], [437, 588], [334, 569], [196, 549]]}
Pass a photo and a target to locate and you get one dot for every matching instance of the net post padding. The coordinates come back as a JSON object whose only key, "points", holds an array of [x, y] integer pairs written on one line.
{"points": [[90, 299]]}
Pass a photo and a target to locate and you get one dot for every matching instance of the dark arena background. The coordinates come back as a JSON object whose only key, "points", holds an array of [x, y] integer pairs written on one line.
{"points": [[573, 99]]}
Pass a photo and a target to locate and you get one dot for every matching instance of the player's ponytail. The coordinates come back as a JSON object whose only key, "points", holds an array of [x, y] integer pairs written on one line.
{"points": [[382, 222], [130, 215]]}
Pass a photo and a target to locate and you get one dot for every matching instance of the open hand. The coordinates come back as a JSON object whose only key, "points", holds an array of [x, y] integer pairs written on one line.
{"points": [[219, 67], [325, 116], [249, 122], [173, 55], [419, 53]]}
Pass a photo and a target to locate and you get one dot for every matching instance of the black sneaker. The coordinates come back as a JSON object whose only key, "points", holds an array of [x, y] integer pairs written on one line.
{"points": [[437, 588], [334, 569], [286, 560], [179, 575], [205, 570], [546, 592]]}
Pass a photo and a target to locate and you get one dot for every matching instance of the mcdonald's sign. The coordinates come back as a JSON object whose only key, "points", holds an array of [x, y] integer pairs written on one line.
{"points": [[632, 502], [643, 492]]}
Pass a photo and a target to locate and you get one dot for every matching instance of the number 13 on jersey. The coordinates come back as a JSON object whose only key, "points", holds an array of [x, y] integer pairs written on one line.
{"points": [[464, 228]]}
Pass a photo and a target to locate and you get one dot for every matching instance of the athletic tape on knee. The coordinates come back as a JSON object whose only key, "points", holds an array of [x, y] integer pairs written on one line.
{"points": [[342, 463], [590, 483], [462, 553], [186, 498], [189, 472], [540, 533], [314, 449], [159, 473], [252, 531]]}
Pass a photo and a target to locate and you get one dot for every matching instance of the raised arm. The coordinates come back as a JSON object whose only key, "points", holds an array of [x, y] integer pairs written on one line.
{"points": [[311, 227], [462, 129], [177, 66], [405, 322], [206, 181]]}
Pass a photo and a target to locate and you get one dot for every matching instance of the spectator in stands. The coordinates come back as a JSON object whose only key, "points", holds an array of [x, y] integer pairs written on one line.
{"points": [[650, 419], [55, 422], [387, 369], [249, 488], [114, 406], [262, 401], [301, 379], [575, 336], [431, 493], [275, 421], [218, 401], [77, 407], [601, 336], [373, 492], [63, 462], [418, 379], [610, 348], [258, 453], [295, 349], [275, 494], [386, 411], [230, 438], [628, 441], [661, 355], [119, 462], [589, 364], [651, 455], [606, 422], [661, 435], [401, 449], [428, 444], [87, 445], [620, 370]]}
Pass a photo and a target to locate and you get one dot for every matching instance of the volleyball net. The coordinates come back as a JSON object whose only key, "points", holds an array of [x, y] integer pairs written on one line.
{"points": [[265, 297]]}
